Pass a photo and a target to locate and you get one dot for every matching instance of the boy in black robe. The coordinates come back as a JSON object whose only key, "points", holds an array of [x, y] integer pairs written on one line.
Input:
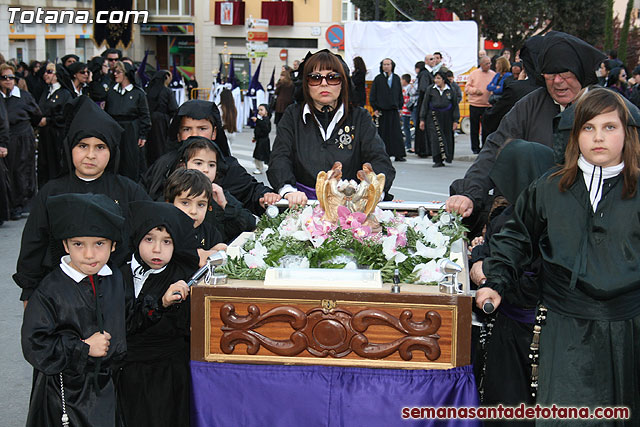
{"points": [[94, 133], [75, 325], [190, 191], [202, 118], [164, 252], [226, 213]]}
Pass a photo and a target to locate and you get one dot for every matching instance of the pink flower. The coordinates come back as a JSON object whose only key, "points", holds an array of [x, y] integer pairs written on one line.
{"points": [[350, 219], [361, 233], [401, 239]]}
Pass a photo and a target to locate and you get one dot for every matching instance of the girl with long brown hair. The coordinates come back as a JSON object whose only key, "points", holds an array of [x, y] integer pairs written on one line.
{"points": [[583, 221]]}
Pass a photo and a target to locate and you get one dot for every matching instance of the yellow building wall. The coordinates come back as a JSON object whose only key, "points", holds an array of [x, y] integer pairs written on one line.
{"points": [[337, 11]]}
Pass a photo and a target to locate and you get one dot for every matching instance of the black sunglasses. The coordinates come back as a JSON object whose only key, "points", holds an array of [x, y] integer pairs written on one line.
{"points": [[83, 72], [315, 79], [7, 77], [49, 71]]}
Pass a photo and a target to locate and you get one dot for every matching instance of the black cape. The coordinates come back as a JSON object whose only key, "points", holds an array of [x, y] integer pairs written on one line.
{"points": [[388, 100]]}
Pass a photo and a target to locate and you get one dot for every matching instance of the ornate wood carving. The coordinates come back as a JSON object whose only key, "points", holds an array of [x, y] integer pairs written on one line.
{"points": [[330, 331]]}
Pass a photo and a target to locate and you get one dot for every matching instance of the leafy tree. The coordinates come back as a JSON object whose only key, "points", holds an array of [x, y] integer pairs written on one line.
{"points": [[419, 10]]}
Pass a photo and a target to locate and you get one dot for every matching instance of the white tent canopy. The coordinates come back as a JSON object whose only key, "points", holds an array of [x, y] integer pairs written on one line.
{"points": [[409, 42]]}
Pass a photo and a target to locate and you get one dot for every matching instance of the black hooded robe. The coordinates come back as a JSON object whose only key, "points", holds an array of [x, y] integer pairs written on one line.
{"points": [[39, 251], [51, 136], [262, 150], [388, 100], [23, 114], [440, 111], [162, 106], [131, 112], [157, 359]]}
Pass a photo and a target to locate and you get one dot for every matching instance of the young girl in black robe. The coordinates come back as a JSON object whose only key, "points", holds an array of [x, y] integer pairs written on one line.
{"points": [[583, 222], [154, 384], [441, 113], [24, 114], [262, 150], [127, 104], [75, 324], [92, 149]]}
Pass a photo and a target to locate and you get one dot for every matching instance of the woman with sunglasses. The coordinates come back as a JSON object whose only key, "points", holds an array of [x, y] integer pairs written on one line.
{"points": [[50, 150], [323, 127], [80, 77], [127, 104], [617, 81], [23, 114]]}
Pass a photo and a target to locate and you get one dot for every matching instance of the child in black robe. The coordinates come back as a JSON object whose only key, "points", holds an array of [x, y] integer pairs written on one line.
{"points": [[202, 118], [226, 212], [190, 191], [75, 324], [262, 151], [164, 252], [95, 134]]}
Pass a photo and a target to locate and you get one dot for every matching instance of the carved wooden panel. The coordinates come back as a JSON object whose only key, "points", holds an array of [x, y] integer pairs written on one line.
{"points": [[344, 328]]}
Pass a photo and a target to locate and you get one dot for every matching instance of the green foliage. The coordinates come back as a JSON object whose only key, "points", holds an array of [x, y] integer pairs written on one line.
{"points": [[624, 34], [419, 10], [608, 26]]}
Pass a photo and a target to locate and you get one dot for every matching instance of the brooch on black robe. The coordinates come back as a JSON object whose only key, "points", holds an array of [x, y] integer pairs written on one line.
{"points": [[345, 138]]}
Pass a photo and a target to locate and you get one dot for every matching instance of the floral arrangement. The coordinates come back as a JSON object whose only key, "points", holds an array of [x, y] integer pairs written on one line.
{"points": [[301, 238]]}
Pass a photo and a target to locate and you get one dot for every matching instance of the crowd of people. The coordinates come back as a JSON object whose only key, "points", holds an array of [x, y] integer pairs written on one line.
{"points": [[132, 192]]}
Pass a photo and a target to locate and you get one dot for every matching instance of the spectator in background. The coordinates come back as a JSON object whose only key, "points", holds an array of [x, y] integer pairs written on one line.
{"points": [[635, 89], [516, 68], [35, 84], [603, 71], [408, 92], [284, 94], [112, 56], [358, 77], [100, 79], [229, 115], [478, 97], [79, 77], [618, 81], [452, 83], [499, 79], [424, 80], [69, 59]]}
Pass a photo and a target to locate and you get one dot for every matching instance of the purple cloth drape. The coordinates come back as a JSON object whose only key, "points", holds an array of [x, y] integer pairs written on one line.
{"points": [[309, 191], [276, 395]]}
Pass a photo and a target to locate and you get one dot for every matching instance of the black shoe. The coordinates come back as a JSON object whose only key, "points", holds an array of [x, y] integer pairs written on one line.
{"points": [[476, 151], [410, 151], [15, 214], [423, 156], [449, 161], [400, 159], [438, 165]]}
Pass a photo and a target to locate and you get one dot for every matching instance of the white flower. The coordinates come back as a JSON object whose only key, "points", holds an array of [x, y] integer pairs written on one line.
{"points": [[382, 215], [255, 257], [389, 249], [430, 253], [266, 233], [350, 266], [435, 237], [428, 272]]}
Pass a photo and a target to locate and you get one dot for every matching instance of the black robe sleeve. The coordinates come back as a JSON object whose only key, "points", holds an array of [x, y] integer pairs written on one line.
{"points": [[262, 129], [233, 219], [281, 168], [373, 93], [243, 186], [31, 107], [47, 345], [4, 124], [143, 114]]}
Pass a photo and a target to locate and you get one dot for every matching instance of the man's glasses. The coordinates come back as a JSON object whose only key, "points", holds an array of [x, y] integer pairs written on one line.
{"points": [[8, 77], [315, 79], [564, 76]]}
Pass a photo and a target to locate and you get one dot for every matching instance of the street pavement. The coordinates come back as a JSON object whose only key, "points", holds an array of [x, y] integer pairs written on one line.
{"points": [[415, 180]]}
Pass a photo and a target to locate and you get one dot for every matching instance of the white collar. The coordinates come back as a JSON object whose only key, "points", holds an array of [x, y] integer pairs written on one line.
{"points": [[54, 87], [336, 118], [14, 92], [122, 90], [79, 92], [75, 274], [140, 275], [594, 177], [446, 86]]}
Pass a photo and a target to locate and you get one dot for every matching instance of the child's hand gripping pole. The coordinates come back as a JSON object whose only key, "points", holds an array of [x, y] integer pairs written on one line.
{"points": [[214, 260]]}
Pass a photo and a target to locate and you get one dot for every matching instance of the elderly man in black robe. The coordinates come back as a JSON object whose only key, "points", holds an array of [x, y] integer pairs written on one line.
{"points": [[566, 65], [386, 99]]}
